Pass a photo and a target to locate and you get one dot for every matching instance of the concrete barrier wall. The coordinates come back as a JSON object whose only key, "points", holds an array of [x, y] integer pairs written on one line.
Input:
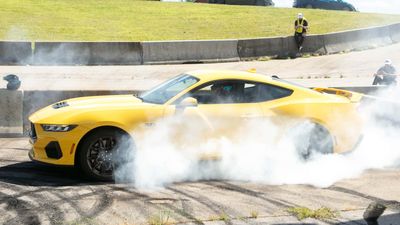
{"points": [[315, 44], [87, 53], [11, 115], [189, 51], [357, 39], [279, 47], [395, 32], [15, 53], [115, 53], [162, 52], [248, 48], [60, 53]]}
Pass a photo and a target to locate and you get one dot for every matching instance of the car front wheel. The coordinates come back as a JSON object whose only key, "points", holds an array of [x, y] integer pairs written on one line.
{"points": [[99, 153]]}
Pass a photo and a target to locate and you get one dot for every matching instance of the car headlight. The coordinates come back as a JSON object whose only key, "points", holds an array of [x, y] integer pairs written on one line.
{"points": [[57, 128]]}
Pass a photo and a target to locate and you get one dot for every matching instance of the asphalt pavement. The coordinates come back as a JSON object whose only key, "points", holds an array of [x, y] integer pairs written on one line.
{"points": [[37, 194]]}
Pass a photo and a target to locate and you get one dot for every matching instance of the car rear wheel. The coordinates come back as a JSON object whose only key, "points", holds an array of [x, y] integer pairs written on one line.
{"points": [[99, 153], [312, 138]]}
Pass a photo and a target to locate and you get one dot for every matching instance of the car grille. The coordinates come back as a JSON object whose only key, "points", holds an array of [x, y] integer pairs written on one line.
{"points": [[32, 133]]}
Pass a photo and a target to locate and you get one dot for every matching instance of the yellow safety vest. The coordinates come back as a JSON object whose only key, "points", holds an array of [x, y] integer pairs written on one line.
{"points": [[300, 26]]}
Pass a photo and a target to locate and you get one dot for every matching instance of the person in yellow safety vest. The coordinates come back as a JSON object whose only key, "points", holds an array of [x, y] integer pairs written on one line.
{"points": [[300, 27]]}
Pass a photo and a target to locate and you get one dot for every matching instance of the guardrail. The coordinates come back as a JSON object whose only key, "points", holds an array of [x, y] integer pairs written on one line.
{"points": [[16, 106], [161, 52]]}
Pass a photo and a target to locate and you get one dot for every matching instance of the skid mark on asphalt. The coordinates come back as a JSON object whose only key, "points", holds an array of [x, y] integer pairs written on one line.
{"points": [[21, 208], [259, 195], [394, 205], [102, 202], [184, 214], [178, 211], [130, 191], [27, 213], [215, 207], [50, 207]]}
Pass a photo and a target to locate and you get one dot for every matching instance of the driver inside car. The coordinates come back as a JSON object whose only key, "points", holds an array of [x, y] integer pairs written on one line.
{"points": [[227, 92]]}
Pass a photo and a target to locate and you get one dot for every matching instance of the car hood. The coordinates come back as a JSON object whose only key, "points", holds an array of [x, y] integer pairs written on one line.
{"points": [[99, 101], [67, 108]]}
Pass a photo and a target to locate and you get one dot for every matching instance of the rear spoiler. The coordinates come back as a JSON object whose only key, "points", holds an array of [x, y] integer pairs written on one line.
{"points": [[352, 96]]}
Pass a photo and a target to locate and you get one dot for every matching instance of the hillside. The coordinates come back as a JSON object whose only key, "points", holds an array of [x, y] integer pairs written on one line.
{"points": [[129, 20]]}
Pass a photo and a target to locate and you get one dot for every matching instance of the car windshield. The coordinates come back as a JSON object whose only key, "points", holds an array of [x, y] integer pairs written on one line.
{"points": [[165, 91]]}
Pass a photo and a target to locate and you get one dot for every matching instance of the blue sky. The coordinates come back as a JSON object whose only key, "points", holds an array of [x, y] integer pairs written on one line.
{"points": [[377, 6]]}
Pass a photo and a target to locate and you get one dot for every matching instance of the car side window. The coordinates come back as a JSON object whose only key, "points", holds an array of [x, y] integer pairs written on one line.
{"points": [[265, 92], [226, 92]]}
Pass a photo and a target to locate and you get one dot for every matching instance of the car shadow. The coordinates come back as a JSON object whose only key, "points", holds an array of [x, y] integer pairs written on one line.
{"points": [[35, 174]]}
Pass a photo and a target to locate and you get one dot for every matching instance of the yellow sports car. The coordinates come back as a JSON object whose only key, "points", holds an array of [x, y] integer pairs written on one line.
{"points": [[84, 132]]}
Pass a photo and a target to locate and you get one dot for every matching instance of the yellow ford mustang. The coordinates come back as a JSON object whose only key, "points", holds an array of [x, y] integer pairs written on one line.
{"points": [[84, 132]]}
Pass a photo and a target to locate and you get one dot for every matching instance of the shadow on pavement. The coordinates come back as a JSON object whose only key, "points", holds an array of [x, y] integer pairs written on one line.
{"points": [[34, 174]]}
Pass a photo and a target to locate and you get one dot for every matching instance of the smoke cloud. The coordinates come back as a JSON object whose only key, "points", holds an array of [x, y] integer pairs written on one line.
{"points": [[255, 151]]}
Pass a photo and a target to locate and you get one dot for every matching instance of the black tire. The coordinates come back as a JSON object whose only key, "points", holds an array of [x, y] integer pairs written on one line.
{"points": [[99, 153], [312, 139]]}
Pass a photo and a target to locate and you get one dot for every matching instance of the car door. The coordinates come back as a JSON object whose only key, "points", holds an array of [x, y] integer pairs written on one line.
{"points": [[222, 105], [226, 100]]}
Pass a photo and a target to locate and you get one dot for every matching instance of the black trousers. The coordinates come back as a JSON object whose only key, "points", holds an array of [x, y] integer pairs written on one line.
{"points": [[299, 38], [386, 80]]}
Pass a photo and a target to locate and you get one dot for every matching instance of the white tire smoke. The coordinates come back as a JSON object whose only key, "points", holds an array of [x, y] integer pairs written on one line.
{"points": [[176, 150]]}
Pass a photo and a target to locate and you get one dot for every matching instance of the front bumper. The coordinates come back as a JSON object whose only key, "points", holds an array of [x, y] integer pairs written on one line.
{"points": [[55, 148]]}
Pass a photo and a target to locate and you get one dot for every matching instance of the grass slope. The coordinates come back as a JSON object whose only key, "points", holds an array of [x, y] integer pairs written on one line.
{"points": [[130, 20]]}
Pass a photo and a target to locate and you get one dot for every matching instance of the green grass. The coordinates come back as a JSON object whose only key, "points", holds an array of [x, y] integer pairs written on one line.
{"points": [[130, 20], [220, 217], [162, 218], [321, 213], [253, 214]]}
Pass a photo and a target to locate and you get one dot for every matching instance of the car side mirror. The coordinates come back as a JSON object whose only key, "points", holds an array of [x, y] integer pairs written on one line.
{"points": [[188, 102]]}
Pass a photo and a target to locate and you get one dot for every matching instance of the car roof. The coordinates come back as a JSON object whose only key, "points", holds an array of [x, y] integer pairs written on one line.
{"points": [[209, 75]]}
